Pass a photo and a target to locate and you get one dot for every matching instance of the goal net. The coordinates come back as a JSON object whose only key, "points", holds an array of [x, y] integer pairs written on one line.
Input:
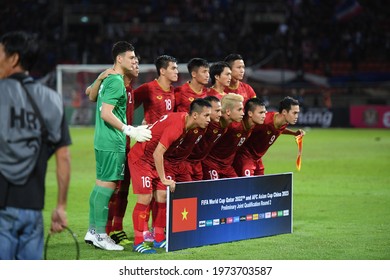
{"points": [[72, 80]]}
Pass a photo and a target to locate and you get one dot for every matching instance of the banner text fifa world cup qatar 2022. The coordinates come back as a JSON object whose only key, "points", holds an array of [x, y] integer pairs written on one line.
{"points": [[217, 211]]}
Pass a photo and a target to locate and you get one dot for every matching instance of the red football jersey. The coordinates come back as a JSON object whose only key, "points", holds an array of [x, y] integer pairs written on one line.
{"points": [[170, 131], [184, 95], [213, 92], [243, 89], [182, 147], [262, 137], [224, 151], [213, 133], [157, 102]]}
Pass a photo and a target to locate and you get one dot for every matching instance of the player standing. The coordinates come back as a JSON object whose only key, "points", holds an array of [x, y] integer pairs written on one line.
{"points": [[237, 65], [199, 70], [248, 160], [218, 163], [118, 202], [157, 96], [158, 99], [146, 162], [110, 142], [220, 75]]}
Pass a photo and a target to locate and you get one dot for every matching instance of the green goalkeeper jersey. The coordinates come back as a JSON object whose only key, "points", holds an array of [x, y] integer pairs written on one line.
{"points": [[112, 91]]}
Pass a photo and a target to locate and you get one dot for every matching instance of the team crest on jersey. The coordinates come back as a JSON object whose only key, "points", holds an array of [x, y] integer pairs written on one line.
{"points": [[269, 132], [196, 131], [238, 135], [159, 97], [215, 131], [191, 99]]}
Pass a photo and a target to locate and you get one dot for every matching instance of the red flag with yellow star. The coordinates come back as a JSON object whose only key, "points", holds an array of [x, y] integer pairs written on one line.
{"points": [[184, 212]]}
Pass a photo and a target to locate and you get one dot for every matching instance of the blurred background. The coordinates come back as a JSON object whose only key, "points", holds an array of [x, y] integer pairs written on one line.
{"points": [[333, 55]]}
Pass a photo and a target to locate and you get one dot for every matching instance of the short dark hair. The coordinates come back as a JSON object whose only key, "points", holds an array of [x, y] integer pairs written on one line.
{"points": [[24, 44], [252, 103], [216, 69], [121, 47], [198, 104], [232, 57], [286, 103], [163, 62], [212, 98], [195, 63]]}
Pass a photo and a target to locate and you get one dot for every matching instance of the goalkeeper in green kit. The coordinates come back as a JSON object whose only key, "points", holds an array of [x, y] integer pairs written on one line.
{"points": [[110, 144]]}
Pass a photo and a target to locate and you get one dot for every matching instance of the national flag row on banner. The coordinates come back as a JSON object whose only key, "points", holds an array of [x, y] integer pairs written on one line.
{"points": [[185, 216]]}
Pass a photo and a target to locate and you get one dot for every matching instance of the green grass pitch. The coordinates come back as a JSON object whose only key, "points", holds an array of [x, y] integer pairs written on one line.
{"points": [[341, 201]]}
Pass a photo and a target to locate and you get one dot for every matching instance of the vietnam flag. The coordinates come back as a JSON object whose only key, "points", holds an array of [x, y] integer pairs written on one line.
{"points": [[184, 213]]}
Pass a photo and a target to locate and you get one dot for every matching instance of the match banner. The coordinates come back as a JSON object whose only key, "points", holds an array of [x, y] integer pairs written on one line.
{"points": [[217, 211], [372, 116]]}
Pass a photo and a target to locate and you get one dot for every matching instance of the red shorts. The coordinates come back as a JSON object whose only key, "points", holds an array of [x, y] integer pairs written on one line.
{"points": [[144, 178], [245, 165], [212, 171], [194, 168], [178, 171]]}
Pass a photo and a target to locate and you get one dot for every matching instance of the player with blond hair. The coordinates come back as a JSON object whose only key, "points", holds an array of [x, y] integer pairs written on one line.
{"points": [[223, 113], [218, 163]]}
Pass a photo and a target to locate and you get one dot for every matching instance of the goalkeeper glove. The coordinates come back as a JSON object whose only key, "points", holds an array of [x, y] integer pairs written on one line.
{"points": [[140, 133]]}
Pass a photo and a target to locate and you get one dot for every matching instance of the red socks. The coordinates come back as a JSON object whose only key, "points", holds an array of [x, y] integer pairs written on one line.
{"points": [[160, 221], [139, 218]]}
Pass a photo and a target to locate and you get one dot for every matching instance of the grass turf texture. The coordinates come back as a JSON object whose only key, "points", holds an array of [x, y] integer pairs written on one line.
{"points": [[341, 201]]}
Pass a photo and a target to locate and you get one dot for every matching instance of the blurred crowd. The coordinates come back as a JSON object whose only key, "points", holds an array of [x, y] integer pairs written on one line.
{"points": [[293, 34]]}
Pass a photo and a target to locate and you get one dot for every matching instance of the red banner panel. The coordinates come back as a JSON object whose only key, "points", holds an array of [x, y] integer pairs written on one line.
{"points": [[374, 116]]}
